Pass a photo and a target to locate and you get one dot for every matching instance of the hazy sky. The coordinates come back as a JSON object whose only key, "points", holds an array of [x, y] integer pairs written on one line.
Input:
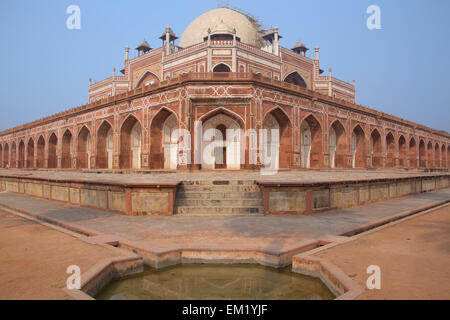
{"points": [[402, 69]]}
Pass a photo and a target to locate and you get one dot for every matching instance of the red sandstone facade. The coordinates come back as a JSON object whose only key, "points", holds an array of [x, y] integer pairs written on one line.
{"points": [[224, 83]]}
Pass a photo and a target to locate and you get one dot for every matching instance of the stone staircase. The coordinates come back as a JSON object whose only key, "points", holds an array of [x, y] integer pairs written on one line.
{"points": [[219, 197]]}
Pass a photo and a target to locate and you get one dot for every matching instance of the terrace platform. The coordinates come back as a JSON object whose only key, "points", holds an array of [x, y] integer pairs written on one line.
{"points": [[224, 193]]}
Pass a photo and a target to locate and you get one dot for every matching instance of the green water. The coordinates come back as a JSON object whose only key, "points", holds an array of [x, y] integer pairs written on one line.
{"points": [[216, 282]]}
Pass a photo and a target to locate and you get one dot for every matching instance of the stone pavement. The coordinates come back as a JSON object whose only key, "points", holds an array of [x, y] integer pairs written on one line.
{"points": [[305, 176], [413, 256], [270, 234], [34, 258]]}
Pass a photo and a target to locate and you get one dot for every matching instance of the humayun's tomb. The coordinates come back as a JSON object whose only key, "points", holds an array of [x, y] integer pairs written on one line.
{"points": [[225, 121], [216, 135], [228, 74]]}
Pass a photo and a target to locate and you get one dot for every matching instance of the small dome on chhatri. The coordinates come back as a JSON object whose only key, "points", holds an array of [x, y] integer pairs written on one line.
{"points": [[300, 45], [143, 44]]}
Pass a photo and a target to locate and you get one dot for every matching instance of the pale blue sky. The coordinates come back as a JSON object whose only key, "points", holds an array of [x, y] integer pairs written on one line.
{"points": [[403, 69]]}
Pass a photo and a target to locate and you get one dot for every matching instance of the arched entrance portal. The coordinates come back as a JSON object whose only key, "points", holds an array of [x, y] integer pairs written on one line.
{"points": [[21, 163], [30, 154], [13, 162], [358, 148], [412, 153], [311, 143], [338, 145], [272, 143], [52, 159], [40, 154], [67, 150], [390, 150], [221, 145], [437, 156], [402, 152], [422, 155], [375, 149], [130, 144], [84, 149], [105, 146], [281, 144], [164, 141], [170, 143]]}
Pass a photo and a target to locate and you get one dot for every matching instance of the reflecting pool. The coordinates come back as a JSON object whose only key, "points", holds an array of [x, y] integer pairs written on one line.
{"points": [[216, 282]]}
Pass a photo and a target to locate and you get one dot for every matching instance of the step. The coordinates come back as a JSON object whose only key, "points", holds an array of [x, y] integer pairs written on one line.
{"points": [[221, 188], [220, 210], [219, 202], [218, 182], [218, 195]]}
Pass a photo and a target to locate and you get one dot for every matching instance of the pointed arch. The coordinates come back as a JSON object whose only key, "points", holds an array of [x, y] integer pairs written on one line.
{"points": [[412, 153], [296, 79], [6, 156], [359, 151], [13, 162], [130, 143], [221, 67], [422, 154], [390, 150], [219, 110], [375, 149], [276, 118], [215, 152], [437, 156], [338, 145], [52, 146], [40, 153], [164, 139], [148, 78], [67, 150], [105, 146], [30, 153], [311, 142], [84, 148], [21, 149]]}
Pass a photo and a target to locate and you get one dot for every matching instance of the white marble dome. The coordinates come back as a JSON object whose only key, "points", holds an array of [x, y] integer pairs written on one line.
{"points": [[246, 30]]}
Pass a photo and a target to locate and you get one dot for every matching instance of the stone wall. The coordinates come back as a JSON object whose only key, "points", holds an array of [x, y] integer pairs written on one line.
{"points": [[307, 199], [125, 199]]}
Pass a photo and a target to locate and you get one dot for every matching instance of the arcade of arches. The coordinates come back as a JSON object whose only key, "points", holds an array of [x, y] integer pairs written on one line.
{"points": [[127, 144]]}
